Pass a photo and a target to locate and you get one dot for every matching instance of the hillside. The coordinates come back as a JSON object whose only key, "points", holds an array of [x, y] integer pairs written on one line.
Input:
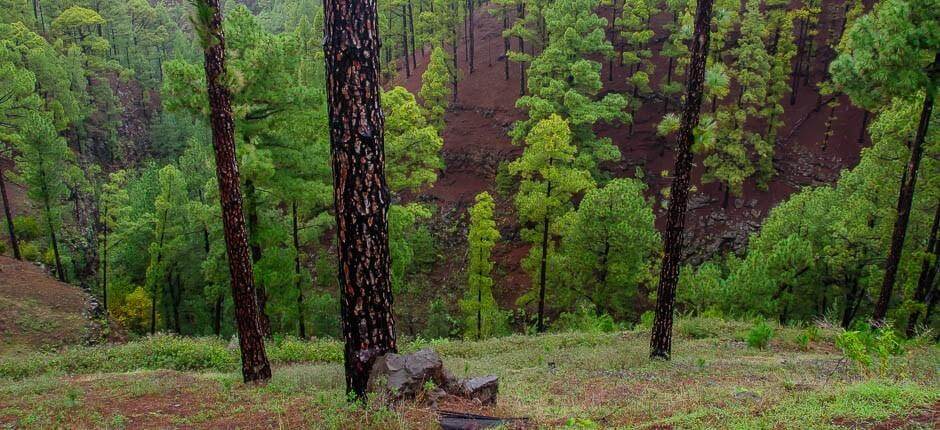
{"points": [[38, 312], [476, 141]]}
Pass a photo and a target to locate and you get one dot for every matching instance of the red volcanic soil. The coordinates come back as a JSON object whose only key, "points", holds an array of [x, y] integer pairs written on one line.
{"points": [[475, 141]]}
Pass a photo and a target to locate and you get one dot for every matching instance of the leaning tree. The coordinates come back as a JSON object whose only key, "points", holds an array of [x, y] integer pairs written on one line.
{"points": [[661, 339], [255, 366], [890, 53], [360, 192]]}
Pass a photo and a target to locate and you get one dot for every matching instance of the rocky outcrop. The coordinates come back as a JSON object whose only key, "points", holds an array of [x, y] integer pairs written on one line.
{"points": [[421, 375]]}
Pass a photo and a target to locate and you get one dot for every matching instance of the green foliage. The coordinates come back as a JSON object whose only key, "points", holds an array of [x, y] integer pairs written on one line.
{"points": [[584, 319], [481, 314], [411, 145], [888, 53], [435, 88], [759, 335], [609, 249], [563, 81]]}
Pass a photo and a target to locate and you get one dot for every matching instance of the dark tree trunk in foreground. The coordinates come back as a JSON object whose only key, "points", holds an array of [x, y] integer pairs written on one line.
{"points": [[360, 193], [255, 366], [905, 198], [8, 212], [928, 273], [661, 339]]}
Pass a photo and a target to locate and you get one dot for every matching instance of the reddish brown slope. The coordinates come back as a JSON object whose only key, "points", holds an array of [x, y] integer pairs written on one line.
{"points": [[475, 141]]}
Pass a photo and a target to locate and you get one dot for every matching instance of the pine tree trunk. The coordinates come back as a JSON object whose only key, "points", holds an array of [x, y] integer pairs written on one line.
{"points": [[217, 316], [411, 28], [928, 272], [8, 212], [261, 294], [543, 265], [506, 42], [470, 42], [360, 191], [404, 40], [520, 10], [301, 327], [905, 199], [255, 366], [661, 339]]}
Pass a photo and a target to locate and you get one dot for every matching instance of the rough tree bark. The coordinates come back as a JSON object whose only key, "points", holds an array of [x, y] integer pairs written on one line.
{"points": [[255, 366], [360, 192], [661, 339], [8, 212], [905, 199]]}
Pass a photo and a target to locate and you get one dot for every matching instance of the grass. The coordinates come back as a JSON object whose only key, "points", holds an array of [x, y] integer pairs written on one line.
{"points": [[564, 380]]}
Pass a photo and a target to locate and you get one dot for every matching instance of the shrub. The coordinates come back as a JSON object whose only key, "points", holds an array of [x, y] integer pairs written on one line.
{"points": [[293, 350], [864, 345], [585, 319], [29, 251], [26, 227], [759, 335]]}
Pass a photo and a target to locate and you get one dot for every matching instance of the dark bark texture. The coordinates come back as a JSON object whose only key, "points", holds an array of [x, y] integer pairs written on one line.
{"points": [[255, 366], [905, 200], [928, 273], [8, 213], [661, 339], [360, 192]]}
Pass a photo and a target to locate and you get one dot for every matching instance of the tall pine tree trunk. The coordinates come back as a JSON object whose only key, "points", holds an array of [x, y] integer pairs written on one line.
{"points": [[255, 366], [905, 199], [928, 272], [661, 339], [360, 191], [543, 265], [8, 212], [506, 42]]}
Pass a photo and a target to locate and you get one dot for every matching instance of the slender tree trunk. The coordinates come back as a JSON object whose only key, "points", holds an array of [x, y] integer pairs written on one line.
{"points": [[470, 41], [217, 315], [520, 10], [848, 314], [255, 366], [404, 40], [301, 327], [861, 133], [104, 263], [360, 191], [254, 244], [661, 339], [928, 272], [543, 266], [795, 74], [8, 212], [411, 28], [905, 199], [506, 42]]}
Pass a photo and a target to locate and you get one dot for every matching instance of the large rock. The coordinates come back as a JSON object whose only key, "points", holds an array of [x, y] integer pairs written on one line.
{"points": [[397, 377]]}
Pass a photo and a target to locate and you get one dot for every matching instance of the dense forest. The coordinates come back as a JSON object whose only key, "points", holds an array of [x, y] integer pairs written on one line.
{"points": [[391, 171]]}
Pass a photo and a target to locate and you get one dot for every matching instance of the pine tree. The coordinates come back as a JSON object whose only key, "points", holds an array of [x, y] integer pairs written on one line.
{"points": [[609, 247], [361, 195], [891, 41], [550, 178], [45, 165], [411, 145], [661, 338], [255, 366], [434, 83], [634, 25], [482, 317], [564, 81]]}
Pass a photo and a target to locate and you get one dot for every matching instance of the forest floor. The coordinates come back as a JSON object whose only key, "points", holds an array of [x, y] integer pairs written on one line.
{"points": [[37, 311], [565, 380]]}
